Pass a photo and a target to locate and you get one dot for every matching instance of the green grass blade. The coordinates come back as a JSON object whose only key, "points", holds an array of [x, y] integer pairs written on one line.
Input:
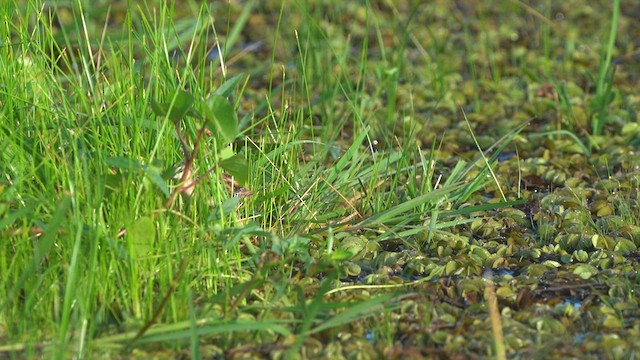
{"points": [[43, 248]]}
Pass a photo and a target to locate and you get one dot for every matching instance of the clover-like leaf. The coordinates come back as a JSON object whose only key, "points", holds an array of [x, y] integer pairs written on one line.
{"points": [[182, 106], [223, 120], [237, 167], [224, 209], [142, 235], [154, 175], [341, 254]]}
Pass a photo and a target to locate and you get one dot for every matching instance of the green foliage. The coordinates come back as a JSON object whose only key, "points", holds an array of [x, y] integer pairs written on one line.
{"points": [[236, 166], [219, 118], [142, 236], [222, 117], [398, 157], [606, 72], [177, 109]]}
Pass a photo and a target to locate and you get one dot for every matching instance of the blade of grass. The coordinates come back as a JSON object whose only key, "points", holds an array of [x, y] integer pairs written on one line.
{"points": [[43, 249]]}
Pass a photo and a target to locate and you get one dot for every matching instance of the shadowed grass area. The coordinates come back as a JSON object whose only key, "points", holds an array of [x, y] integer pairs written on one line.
{"points": [[316, 179]]}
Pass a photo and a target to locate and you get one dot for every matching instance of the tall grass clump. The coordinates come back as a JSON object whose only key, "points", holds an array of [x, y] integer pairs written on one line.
{"points": [[599, 103]]}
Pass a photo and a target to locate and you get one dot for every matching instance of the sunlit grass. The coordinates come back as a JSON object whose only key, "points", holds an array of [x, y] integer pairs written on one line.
{"points": [[86, 154]]}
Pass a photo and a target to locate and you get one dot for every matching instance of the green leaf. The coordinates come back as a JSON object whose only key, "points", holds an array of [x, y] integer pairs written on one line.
{"points": [[236, 166], [353, 244], [225, 153], [227, 87], [142, 235], [223, 120], [625, 246], [154, 175], [182, 106], [123, 163], [585, 271], [341, 255], [224, 209]]}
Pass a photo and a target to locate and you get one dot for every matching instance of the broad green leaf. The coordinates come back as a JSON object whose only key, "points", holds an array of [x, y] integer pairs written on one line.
{"points": [[353, 244], [223, 120], [181, 106], [227, 87], [625, 245], [154, 175], [612, 321], [340, 255], [120, 162], [142, 235], [585, 271], [225, 153], [237, 167], [224, 209]]}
